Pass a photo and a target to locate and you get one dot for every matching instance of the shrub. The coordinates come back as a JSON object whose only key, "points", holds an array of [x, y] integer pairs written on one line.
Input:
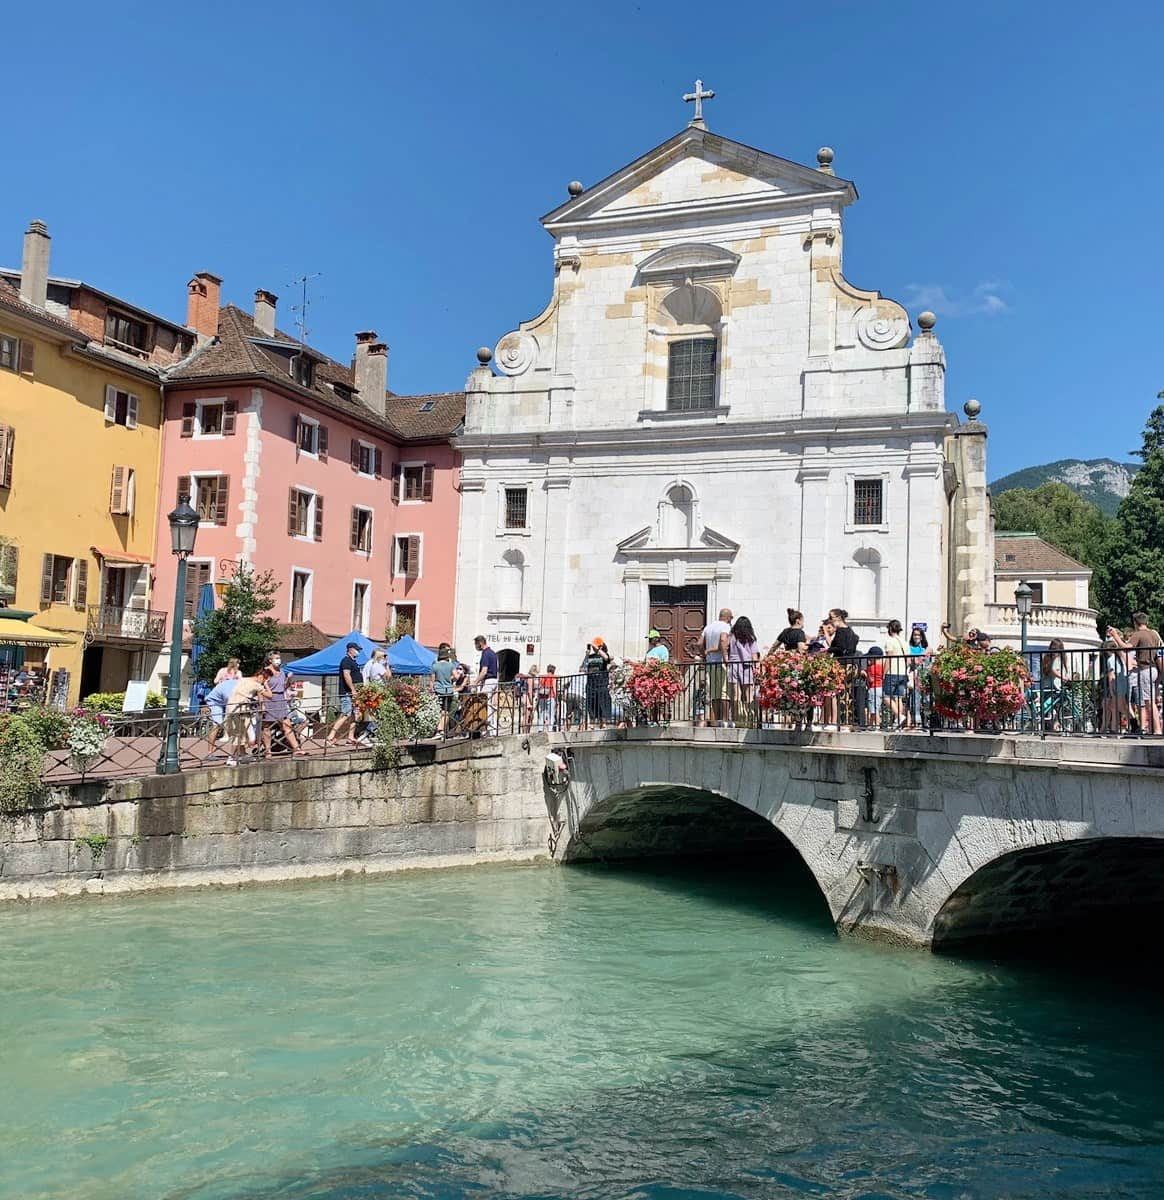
{"points": [[22, 750], [113, 702], [794, 682]]}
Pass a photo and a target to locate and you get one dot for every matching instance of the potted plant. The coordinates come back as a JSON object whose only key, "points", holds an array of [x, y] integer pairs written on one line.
{"points": [[85, 736], [981, 685], [796, 683], [652, 685]]}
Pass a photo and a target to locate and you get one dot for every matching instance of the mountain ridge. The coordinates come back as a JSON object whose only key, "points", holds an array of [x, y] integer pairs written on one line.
{"points": [[1102, 481]]}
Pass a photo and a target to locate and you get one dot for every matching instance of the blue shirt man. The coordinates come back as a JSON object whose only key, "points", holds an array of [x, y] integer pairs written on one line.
{"points": [[487, 669], [657, 650], [217, 697]]}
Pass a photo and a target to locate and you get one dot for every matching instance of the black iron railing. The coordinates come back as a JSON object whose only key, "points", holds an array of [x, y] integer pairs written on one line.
{"points": [[113, 623]]}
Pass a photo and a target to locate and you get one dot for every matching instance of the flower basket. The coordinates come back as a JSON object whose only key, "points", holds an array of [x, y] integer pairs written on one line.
{"points": [[85, 737], [795, 682], [986, 686], [652, 685]]}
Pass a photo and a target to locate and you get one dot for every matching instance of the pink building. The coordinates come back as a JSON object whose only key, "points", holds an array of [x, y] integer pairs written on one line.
{"points": [[312, 470]]}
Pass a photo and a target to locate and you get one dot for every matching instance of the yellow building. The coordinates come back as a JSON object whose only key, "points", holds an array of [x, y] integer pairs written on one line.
{"points": [[80, 445]]}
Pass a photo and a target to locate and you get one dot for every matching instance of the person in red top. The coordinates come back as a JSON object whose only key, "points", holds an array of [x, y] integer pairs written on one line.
{"points": [[875, 673], [547, 698]]}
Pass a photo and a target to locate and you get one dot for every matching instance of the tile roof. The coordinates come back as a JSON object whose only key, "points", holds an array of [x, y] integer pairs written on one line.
{"points": [[234, 353], [11, 301], [1027, 553], [304, 636]]}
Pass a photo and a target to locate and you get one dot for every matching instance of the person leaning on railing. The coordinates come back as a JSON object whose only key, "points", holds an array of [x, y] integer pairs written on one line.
{"points": [[242, 711], [214, 705], [443, 671], [1146, 643], [896, 673]]}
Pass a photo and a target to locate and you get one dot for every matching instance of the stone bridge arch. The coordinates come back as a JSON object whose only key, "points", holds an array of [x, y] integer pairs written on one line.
{"points": [[910, 839]]}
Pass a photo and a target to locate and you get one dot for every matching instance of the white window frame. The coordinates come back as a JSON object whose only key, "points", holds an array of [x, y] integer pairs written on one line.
{"points": [[404, 466], [306, 420], [397, 573], [371, 449], [195, 476], [502, 529], [308, 593], [199, 405], [372, 539], [851, 479], [309, 536], [132, 406], [414, 604], [366, 621]]}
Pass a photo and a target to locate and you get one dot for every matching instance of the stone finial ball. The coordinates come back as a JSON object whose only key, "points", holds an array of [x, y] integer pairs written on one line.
{"points": [[484, 356], [926, 320], [972, 408], [824, 156], [575, 188]]}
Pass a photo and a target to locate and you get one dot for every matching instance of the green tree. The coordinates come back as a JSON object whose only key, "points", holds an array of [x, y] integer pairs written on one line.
{"points": [[240, 628], [1058, 516], [1132, 576]]}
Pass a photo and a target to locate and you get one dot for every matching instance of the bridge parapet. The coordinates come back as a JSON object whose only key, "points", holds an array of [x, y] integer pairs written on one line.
{"points": [[895, 828]]}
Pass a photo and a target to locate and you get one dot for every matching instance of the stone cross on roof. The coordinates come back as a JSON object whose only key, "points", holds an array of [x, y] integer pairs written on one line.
{"points": [[699, 95]]}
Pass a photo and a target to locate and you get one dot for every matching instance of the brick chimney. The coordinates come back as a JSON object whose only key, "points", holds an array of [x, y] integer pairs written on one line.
{"points": [[370, 367], [265, 312], [34, 266], [202, 305]]}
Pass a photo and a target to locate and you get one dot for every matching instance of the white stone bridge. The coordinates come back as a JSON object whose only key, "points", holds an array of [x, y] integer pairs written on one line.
{"points": [[932, 841]]}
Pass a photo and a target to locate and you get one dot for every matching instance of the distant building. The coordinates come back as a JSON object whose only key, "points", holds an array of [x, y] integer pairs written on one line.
{"points": [[80, 439], [1060, 587], [313, 470]]}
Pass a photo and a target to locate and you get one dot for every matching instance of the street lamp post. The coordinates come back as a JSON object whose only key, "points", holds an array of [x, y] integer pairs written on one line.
{"points": [[1023, 595], [183, 530]]}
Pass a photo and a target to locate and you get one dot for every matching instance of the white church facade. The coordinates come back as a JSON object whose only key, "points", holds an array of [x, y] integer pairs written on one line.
{"points": [[708, 414]]}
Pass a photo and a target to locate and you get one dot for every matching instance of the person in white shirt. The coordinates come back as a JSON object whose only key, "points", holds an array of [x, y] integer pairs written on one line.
{"points": [[715, 652]]}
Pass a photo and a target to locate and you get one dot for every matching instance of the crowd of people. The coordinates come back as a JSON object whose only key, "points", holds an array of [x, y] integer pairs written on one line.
{"points": [[886, 685]]}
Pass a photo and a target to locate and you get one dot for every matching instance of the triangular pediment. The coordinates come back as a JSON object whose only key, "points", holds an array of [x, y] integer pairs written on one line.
{"points": [[646, 541], [695, 171]]}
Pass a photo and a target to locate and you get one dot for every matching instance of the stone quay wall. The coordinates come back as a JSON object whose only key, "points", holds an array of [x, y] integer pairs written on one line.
{"points": [[466, 802]]}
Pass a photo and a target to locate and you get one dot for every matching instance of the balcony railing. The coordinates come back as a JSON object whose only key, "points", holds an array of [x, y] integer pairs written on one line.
{"points": [[1047, 616], [111, 623]]}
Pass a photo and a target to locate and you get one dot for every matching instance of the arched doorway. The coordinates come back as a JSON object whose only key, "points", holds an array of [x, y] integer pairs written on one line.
{"points": [[508, 665]]}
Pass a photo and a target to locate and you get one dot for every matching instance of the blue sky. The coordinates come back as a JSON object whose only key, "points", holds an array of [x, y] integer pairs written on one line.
{"points": [[1008, 157]]}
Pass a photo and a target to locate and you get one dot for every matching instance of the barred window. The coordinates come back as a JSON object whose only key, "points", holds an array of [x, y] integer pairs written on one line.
{"points": [[691, 374], [868, 506], [516, 508]]}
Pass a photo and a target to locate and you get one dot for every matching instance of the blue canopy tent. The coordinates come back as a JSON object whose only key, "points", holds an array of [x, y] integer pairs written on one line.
{"points": [[408, 657], [327, 662], [206, 604]]}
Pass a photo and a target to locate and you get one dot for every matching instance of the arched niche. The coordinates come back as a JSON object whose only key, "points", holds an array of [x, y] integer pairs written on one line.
{"points": [[678, 519], [863, 582]]}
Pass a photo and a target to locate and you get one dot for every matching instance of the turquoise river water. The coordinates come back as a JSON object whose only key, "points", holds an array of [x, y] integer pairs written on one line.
{"points": [[527, 1032]]}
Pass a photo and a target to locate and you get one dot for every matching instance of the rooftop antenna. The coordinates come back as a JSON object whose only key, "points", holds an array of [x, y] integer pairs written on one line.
{"points": [[300, 309]]}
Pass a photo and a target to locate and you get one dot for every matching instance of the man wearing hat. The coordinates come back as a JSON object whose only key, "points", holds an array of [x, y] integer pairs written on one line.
{"points": [[657, 648]]}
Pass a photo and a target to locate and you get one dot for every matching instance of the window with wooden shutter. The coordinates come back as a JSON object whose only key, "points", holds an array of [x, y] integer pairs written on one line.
{"points": [[46, 579], [354, 533], [117, 491], [7, 438], [321, 441], [319, 518], [426, 482], [198, 573], [361, 530], [188, 411], [110, 404], [413, 571], [293, 512], [396, 473], [229, 417], [9, 352], [81, 584], [27, 356], [183, 488], [9, 569], [354, 456], [222, 500], [378, 462], [131, 403]]}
